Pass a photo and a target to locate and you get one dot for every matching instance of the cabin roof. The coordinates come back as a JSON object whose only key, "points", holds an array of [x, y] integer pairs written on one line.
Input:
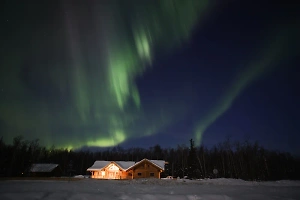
{"points": [[43, 167], [158, 163], [125, 165], [98, 165]]}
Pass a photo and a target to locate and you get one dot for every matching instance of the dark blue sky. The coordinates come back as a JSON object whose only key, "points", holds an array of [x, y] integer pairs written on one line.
{"points": [[267, 110], [71, 73]]}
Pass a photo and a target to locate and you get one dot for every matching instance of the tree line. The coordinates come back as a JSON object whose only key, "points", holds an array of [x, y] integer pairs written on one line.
{"points": [[242, 160]]}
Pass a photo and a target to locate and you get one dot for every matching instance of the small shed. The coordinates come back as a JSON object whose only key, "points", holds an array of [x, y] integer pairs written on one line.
{"points": [[45, 170]]}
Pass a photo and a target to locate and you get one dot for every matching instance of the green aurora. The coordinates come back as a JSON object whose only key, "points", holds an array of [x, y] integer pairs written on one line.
{"points": [[103, 105], [274, 52], [92, 96]]}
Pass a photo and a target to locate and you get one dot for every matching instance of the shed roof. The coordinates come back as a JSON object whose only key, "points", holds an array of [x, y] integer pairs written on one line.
{"points": [[43, 167]]}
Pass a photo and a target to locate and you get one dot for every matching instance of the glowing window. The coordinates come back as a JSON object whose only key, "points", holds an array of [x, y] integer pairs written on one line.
{"points": [[113, 167]]}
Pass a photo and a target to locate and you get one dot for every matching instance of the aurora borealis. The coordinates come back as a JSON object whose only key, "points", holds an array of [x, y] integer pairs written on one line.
{"points": [[272, 54], [77, 73]]}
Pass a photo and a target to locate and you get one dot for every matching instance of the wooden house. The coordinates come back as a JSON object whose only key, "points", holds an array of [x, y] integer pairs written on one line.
{"points": [[127, 169]]}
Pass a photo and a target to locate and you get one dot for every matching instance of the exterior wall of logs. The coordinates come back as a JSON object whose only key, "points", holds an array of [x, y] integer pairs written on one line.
{"points": [[142, 169], [145, 170]]}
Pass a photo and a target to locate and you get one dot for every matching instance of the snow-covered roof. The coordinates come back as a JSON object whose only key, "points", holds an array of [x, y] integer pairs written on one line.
{"points": [[98, 165], [125, 165], [43, 167], [159, 163]]}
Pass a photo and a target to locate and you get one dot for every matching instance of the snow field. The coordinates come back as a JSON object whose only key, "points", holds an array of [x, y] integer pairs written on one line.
{"points": [[150, 189]]}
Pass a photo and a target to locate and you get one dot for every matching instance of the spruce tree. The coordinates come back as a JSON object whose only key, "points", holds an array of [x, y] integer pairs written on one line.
{"points": [[192, 162]]}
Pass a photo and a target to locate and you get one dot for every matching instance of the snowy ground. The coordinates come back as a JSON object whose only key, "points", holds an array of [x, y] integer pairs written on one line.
{"points": [[149, 189]]}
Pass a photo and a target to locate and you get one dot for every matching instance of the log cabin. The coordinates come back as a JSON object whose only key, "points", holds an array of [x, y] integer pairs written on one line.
{"points": [[127, 169]]}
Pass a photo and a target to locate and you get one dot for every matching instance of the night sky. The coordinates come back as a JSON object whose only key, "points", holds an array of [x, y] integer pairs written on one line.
{"points": [[137, 73]]}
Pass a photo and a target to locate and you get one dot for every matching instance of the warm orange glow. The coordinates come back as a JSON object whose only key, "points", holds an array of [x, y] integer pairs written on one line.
{"points": [[121, 170]]}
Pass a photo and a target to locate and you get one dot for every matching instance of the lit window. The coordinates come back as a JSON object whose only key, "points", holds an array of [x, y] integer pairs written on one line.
{"points": [[113, 167]]}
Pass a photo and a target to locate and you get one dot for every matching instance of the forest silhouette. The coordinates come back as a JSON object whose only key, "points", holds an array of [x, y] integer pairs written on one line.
{"points": [[238, 160]]}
